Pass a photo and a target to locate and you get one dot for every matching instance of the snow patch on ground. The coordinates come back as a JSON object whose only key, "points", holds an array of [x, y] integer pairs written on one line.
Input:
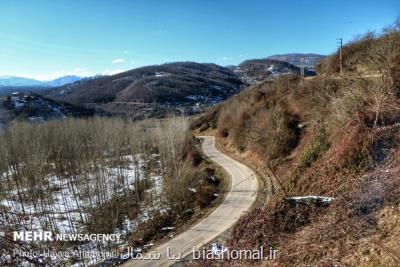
{"points": [[303, 199], [17, 101], [159, 74], [195, 97]]}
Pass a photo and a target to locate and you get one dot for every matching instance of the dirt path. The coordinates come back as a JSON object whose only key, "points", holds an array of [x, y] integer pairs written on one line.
{"points": [[239, 199]]}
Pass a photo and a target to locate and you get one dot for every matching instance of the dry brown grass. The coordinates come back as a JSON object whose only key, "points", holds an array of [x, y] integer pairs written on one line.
{"points": [[350, 144]]}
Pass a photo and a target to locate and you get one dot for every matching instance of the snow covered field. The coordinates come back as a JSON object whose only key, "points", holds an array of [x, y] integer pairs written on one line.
{"points": [[105, 176], [66, 204]]}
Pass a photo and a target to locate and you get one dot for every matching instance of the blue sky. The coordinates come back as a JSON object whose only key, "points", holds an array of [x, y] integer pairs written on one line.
{"points": [[47, 39]]}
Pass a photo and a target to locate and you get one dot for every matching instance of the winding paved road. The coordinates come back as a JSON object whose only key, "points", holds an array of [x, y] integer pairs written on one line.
{"points": [[239, 199]]}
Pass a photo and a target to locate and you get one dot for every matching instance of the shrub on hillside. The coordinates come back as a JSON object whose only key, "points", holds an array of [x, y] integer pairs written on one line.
{"points": [[275, 132], [205, 195], [315, 149]]}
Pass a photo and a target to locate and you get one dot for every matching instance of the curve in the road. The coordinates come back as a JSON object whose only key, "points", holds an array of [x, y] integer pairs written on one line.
{"points": [[239, 199]]}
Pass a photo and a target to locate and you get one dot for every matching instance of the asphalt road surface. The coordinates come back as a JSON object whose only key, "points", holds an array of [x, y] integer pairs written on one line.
{"points": [[240, 197]]}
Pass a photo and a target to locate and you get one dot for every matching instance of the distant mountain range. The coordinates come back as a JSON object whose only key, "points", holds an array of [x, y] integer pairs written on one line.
{"points": [[179, 85], [13, 81], [154, 91]]}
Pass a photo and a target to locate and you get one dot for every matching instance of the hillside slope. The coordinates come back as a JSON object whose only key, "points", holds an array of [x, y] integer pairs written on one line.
{"points": [[34, 107], [309, 60], [154, 91], [257, 70], [181, 87], [173, 82], [330, 136]]}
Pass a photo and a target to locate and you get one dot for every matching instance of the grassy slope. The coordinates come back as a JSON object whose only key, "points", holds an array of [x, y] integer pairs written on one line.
{"points": [[332, 136]]}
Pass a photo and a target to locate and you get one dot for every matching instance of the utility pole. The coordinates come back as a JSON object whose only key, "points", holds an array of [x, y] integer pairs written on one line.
{"points": [[340, 44]]}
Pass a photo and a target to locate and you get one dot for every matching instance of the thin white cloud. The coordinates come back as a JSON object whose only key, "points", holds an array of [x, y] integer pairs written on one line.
{"points": [[125, 52], [226, 58], [112, 72], [82, 72], [117, 61]]}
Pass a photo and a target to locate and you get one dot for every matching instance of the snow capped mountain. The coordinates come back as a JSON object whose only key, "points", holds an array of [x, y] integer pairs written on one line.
{"points": [[14, 81], [18, 81], [64, 80]]}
